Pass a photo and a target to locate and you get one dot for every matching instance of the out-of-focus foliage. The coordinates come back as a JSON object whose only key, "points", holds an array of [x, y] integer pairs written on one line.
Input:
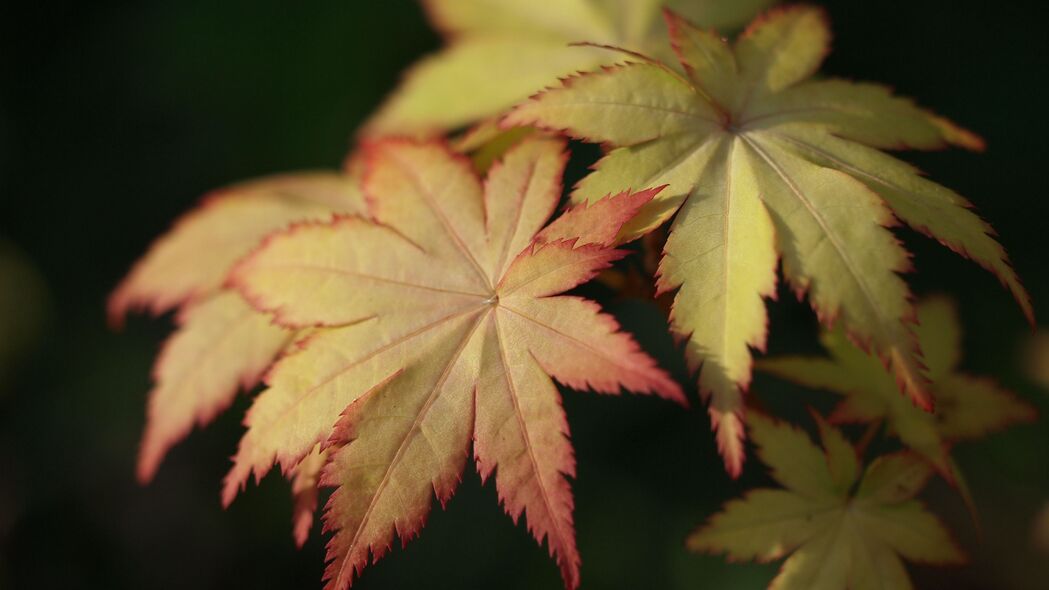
{"points": [[1036, 358], [1036, 363], [501, 51], [844, 526], [967, 407]]}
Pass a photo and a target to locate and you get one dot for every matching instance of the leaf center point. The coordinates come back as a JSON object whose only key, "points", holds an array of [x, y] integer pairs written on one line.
{"points": [[731, 125]]}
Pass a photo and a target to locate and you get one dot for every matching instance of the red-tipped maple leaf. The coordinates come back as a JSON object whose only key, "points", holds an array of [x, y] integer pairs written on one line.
{"points": [[439, 326]]}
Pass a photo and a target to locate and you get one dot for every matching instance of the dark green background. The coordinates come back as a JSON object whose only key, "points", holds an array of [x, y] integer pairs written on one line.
{"points": [[115, 116]]}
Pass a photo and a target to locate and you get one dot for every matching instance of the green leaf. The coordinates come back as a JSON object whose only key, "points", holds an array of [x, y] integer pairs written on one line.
{"points": [[835, 539], [967, 407]]}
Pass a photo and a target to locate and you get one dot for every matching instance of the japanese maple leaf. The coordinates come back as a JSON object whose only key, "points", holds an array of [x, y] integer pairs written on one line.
{"points": [[966, 406], [765, 164], [841, 530], [221, 344], [439, 320], [501, 51]]}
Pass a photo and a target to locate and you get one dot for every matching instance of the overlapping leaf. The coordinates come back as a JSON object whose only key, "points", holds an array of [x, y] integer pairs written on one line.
{"points": [[764, 164], [222, 344], [966, 406], [193, 259], [501, 51], [304, 490], [439, 324], [842, 530]]}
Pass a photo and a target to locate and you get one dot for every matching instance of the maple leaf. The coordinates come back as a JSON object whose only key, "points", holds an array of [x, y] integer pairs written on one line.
{"points": [[221, 344], [501, 51], [193, 259], [439, 320], [843, 530], [967, 406], [764, 164]]}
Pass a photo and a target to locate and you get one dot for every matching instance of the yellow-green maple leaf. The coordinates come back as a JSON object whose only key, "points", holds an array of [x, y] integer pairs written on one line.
{"points": [[438, 325], [501, 51], [222, 345], [765, 164], [841, 530], [966, 406]]}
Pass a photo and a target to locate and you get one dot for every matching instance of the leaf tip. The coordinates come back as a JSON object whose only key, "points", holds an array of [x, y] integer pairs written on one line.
{"points": [[959, 136], [730, 434]]}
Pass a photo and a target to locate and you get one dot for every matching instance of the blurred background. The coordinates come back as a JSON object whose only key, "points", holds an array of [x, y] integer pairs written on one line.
{"points": [[115, 116]]}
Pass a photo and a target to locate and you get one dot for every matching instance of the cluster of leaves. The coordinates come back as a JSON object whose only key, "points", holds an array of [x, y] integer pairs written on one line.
{"points": [[765, 164], [830, 515], [416, 323], [409, 310], [967, 407]]}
